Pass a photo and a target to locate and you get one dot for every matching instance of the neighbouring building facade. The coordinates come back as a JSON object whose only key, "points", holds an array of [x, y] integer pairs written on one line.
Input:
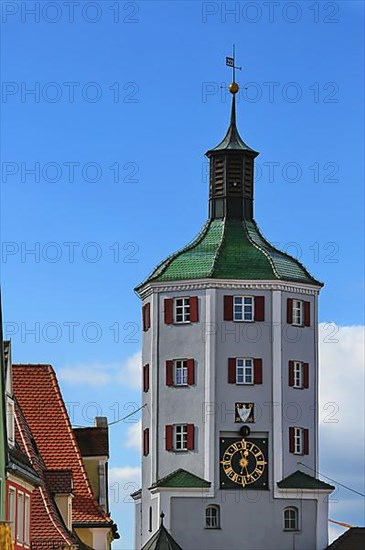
{"points": [[230, 383], [54, 478], [66, 510]]}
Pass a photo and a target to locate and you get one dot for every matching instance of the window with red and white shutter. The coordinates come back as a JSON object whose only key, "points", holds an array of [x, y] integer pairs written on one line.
{"points": [[245, 370], [298, 374], [298, 309], [180, 372], [180, 437], [298, 440], [258, 304], [181, 310]]}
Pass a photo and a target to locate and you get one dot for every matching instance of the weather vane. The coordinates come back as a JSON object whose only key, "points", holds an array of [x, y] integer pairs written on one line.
{"points": [[230, 61]]}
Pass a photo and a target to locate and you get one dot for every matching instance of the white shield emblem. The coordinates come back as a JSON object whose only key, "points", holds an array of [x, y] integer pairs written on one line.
{"points": [[244, 413]]}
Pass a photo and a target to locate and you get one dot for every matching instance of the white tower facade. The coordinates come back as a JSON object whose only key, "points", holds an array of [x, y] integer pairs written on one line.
{"points": [[230, 383]]}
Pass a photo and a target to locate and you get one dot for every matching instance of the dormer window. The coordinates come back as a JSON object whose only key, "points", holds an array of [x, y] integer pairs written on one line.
{"points": [[10, 420]]}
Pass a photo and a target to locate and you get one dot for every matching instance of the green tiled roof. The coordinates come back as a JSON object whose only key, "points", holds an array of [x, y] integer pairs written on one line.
{"points": [[230, 249], [300, 480], [181, 478], [161, 540]]}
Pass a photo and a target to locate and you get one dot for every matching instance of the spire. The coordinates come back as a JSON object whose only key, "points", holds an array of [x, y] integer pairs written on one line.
{"points": [[232, 140], [231, 167], [233, 111]]}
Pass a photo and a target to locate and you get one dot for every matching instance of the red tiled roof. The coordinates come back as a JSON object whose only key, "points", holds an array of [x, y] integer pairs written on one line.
{"points": [[49, 524], [59, 481], [92, 441], [39, 396]]}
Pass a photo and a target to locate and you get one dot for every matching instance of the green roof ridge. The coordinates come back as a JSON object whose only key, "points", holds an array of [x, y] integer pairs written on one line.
{"points": [[181, 478], [277, 255], [230, 249], [301, 480]]}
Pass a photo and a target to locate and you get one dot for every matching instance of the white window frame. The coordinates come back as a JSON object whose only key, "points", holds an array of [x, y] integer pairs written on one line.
{"points": [[298, 312], [20, 518], [10, 421], [182, 310], [241, 303], [244, 371], [27, 520], [212, 517], [298, 374], [180, 372], [12, 510], [180, 437], [298, 441], [291, 523]]}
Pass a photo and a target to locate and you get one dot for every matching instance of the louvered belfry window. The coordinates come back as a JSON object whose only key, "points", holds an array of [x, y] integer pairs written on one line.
{"points": [[234, 174], [248, 179], [218, 176]]}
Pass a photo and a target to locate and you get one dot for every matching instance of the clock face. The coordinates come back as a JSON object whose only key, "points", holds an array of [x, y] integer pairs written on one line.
{"points": [[243, 463]]}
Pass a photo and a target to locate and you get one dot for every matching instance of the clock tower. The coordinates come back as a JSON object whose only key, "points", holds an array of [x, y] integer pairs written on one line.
{"points": [[230, 383]]}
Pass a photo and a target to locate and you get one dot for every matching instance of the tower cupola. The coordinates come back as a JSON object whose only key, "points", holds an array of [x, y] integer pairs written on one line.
{"points": [[231, 186]]}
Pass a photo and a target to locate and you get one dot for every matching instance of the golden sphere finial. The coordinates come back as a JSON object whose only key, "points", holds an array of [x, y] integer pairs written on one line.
{"points": [[233, 87]]}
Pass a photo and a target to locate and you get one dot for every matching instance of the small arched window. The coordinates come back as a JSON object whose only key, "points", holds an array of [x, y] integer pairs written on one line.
{"points": [[150, 520], [291, 519], [212, 517]]}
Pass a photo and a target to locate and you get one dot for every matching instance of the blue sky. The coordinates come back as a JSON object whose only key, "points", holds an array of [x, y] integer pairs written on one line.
{"points": [[123, 111]]}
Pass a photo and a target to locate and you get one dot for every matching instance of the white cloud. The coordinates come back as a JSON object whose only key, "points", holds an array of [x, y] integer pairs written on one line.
{"points": [[342, 381], [131, 371], [127, 373], [341, 351], [134, 436], [125, 473], [92, 374]]}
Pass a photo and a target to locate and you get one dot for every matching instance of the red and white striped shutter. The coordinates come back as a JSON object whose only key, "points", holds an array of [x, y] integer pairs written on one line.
{"points": [[232, 370], [228, 308], [190, 437], [307, 314], [291, 440], [305, 375], [193, 308], [169, 311], [257, 371], [289, 311], [169, 373], [291, 373], [169, 434], [260, 308], [191, 373]]}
